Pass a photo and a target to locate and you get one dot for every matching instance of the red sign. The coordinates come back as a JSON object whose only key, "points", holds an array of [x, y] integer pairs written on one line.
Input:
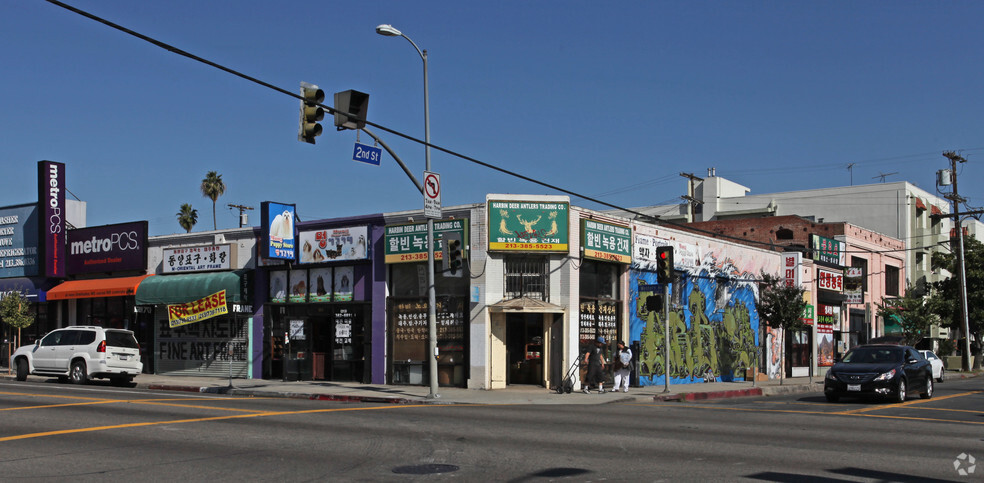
{"points": [[828, 280]]}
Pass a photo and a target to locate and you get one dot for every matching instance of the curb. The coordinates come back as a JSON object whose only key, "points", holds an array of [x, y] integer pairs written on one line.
{"points": [[749, 392], [290, 395]]}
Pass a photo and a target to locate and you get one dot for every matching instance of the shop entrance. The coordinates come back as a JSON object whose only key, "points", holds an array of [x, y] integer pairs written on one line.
{"points": [[525, 348], [327, 343]]}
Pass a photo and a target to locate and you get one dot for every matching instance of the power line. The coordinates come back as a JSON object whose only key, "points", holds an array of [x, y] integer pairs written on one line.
{"points": [[332, 110]]}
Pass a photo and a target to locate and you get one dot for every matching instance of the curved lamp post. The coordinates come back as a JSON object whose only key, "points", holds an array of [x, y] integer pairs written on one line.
{"points": [[388, 31]]}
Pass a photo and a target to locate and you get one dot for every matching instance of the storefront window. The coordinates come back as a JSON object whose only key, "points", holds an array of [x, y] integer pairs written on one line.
{"points": [[408, 326], [599, 309], [527, 277]]}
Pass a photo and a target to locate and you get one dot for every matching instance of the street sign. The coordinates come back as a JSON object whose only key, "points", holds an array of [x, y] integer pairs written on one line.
{"points": [[432, 195], [367, 154]]}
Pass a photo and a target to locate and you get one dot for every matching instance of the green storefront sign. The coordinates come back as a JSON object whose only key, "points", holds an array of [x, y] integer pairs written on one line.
{"points": [[826, 250], [605, 241], [408, 243], [528, 226]]}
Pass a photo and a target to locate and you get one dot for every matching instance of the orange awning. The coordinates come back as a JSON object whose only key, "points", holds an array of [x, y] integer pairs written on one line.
{"points": [[936, 211], [919, 204], [103, 287]]}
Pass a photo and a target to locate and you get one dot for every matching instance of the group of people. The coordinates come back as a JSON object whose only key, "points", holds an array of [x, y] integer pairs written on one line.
{"points": [[594, 359]]}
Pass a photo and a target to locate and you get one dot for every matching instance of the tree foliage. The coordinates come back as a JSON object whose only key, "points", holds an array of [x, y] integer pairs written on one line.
{"points": [[780, 305], [914, 313], [15, 310], [212, 188], [946, 299], [187, 217]]}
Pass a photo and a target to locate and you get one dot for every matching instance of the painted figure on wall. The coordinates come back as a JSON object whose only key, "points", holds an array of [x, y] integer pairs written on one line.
{"points": [[712, 326]]}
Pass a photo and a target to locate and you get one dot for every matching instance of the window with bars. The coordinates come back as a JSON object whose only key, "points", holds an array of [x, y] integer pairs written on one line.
{"points": [[527, 277]]}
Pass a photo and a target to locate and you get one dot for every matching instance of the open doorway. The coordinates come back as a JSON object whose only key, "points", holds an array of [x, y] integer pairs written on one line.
{"points": [[525, 348]]}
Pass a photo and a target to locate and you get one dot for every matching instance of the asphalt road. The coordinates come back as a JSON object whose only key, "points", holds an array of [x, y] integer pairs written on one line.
{"points": [[60, 432]]}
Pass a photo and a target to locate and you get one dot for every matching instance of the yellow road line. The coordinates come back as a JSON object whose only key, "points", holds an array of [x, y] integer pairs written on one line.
{"points": [[53, 396], [907, 403], [199, 420], [854, 412], [195, 406], [46, 406]]}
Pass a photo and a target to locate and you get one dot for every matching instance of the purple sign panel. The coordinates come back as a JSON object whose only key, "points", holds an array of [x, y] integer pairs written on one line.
{"points": [[108, 248], [51, 226]]}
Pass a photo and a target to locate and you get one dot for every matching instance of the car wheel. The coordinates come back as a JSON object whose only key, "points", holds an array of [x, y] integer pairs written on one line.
{"points": [[929, 388], [942, 375], [21, 370], [78, 374], [900, 391], [831, 397]]}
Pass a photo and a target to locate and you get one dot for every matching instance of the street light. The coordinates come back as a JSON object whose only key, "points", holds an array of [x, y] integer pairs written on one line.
{"points": [[387, 30]]}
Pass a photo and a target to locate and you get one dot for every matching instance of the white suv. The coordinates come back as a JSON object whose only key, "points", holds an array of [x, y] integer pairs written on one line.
{"points": [[80, 353]]}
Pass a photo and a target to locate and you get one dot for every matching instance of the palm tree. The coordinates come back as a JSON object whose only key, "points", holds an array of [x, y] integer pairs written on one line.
{"points": [[213, 188], [187, 217]]}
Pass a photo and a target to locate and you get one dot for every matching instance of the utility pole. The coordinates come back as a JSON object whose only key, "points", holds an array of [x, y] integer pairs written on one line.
{"points": [[850, 169], [691, 200], [242, 209], [955, 198]]}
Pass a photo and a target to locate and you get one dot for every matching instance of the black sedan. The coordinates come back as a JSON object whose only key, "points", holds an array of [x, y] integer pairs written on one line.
{"points": [[890, 371]]}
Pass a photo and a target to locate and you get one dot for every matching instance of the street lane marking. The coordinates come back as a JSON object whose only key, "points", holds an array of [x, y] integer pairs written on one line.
{"points": [[214, 418], [854, 412], [907, 403], [93, 400], [195, 406], [46, 406]]}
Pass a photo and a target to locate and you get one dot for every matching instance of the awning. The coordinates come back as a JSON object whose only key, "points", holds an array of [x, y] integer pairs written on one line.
{"points": [[526, 304], [919, 204], [936, 211], [30, 287], [179, 289], [101, 287]]}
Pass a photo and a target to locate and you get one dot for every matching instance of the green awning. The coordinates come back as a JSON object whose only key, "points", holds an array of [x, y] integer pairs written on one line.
{"points": [[179, 289], [893, 325]]}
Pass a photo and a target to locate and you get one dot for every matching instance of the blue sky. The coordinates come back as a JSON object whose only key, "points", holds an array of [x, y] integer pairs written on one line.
{"points": [[607, 99]]}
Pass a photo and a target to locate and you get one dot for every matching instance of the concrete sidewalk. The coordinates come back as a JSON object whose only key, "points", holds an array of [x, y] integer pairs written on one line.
{"points": [[392, 394], [516, 394]]}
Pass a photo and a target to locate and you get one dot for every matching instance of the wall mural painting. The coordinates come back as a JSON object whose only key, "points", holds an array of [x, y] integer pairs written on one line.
{"points": [[712, 330]]}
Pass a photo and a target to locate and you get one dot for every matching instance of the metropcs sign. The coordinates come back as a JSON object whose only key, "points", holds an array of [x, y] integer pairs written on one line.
{"points": [[108, 248]]}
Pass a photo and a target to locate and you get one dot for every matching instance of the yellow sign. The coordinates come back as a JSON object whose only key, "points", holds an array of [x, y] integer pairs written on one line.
{"points": [[197, 311]]}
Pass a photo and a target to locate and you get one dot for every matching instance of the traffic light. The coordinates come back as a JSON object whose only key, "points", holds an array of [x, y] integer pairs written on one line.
{"points": [[664, 264], [654, 303], [352, 102], [451, 252], [311, 113]]}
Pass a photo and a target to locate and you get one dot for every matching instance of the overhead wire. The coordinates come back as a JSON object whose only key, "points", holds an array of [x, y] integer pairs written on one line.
{"points": [[332, 110]]}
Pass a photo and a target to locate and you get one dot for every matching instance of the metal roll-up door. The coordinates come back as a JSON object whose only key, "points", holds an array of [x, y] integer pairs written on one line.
{"points": [[202, 348]]}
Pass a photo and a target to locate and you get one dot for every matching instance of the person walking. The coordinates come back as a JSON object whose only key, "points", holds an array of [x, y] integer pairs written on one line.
{"points": [[623, 366], [595, 360]]}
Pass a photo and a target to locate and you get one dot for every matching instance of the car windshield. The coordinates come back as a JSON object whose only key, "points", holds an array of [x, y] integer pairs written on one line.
{"points": [[873, 355]]}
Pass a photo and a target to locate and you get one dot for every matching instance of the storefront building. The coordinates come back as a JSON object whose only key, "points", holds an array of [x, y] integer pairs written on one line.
{"points": [[714, 330], [32, 250], [405, 256], [199, 305], [323, 312], [104, 265]]}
